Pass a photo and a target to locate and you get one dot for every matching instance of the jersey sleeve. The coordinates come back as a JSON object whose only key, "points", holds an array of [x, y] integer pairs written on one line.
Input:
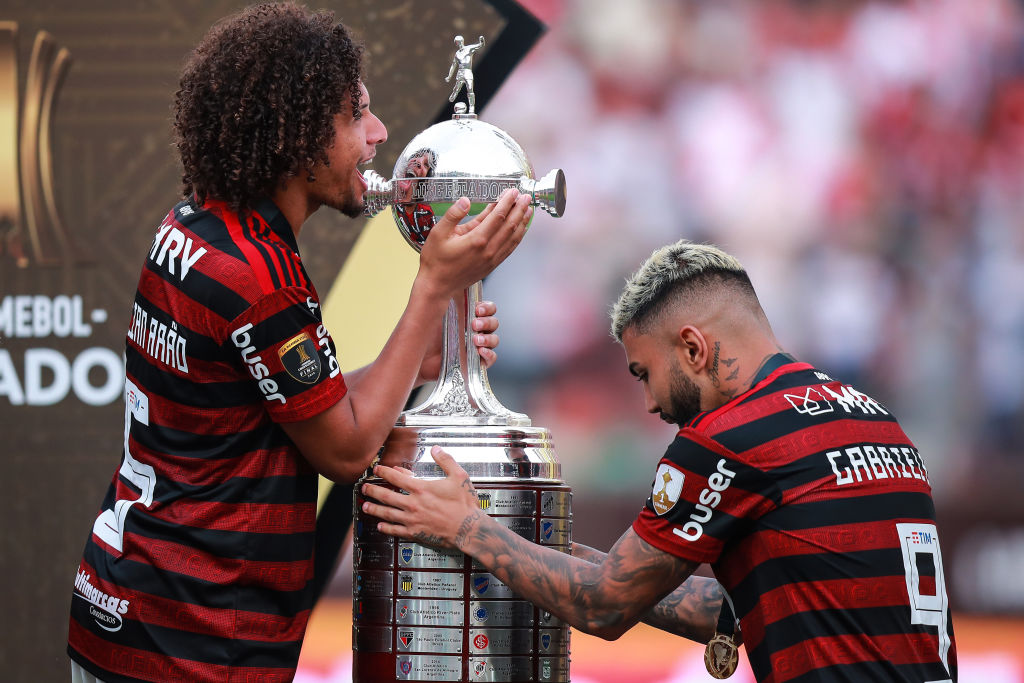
{"points": [[702, 496], [287, 355]]}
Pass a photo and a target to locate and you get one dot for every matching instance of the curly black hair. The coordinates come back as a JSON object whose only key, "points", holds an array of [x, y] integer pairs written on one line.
{"points": [[257, 100]]}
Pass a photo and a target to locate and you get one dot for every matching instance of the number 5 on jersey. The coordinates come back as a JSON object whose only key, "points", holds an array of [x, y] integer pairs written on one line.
{"points": [[109, 526]]}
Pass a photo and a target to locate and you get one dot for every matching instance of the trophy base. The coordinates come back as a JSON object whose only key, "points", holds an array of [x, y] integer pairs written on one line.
{"points": [[423, 614]]}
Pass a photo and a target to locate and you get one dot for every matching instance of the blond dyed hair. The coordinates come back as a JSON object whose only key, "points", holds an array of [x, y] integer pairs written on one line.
{"points": [[671, 272]]}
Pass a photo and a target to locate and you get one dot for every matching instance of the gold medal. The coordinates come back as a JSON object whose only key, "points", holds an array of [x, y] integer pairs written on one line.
{"points": [[721, 656]]}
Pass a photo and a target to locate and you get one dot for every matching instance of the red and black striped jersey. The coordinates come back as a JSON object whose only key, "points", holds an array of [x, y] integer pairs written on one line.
{"points": [[814, 510], [199, 564]]}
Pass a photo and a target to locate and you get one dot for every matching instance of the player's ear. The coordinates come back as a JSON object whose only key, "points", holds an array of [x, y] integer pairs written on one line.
{"points": [[693, 347]]}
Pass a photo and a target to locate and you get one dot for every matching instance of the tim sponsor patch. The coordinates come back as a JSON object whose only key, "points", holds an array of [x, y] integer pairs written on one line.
{"points": [[300, 358], [668, 484]]}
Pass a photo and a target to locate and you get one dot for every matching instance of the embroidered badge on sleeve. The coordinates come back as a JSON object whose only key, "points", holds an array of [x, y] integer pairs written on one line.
{"points": [[300, 358]]}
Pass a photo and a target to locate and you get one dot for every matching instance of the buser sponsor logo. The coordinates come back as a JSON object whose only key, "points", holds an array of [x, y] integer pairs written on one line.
{"points": [[709, 499], [257, 368]]}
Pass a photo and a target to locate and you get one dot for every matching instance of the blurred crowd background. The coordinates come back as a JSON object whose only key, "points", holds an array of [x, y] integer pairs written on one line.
{"points": [[864, 160]]}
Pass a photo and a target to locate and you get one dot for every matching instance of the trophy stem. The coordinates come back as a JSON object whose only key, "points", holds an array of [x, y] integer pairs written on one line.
{"points": [[462, 394]]}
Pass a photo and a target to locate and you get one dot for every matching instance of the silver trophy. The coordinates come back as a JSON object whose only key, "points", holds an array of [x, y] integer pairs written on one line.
{"points": [[420, 614]]}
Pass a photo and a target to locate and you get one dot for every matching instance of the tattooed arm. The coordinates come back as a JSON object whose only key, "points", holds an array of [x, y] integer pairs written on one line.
{"points": [[604, 599], [690, 611]]}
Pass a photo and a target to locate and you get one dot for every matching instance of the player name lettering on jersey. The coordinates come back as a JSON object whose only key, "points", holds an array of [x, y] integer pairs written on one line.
{"points": [[257, 368], [709, 499], [865, 462], [170, 244], [160, 342]]}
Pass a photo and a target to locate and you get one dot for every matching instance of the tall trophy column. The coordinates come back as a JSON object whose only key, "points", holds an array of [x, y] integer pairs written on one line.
{"points": [[420, 614]]}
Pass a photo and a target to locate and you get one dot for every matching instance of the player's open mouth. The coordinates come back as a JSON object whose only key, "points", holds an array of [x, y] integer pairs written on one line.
{"points": [[362, 178]]}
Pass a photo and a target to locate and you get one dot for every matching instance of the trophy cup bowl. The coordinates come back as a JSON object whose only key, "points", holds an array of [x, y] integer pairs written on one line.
{"points": [[421, 614], [462, 157]]}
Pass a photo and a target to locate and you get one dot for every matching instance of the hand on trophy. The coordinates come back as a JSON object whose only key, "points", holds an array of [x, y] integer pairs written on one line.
{"points": [[485, 339], [459, 254], [435, 512]]}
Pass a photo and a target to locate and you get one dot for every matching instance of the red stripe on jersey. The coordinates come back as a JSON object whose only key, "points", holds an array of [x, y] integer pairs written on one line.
{"points": [[187, 311], [252, 253], [826, 488], [183, 616], [900, 649], [838, 594], [257, 518], [183, 559], [772, 544], [205, 421], [202, 472], [151, 666], [836, 434], [259, 234], [742, 409]]}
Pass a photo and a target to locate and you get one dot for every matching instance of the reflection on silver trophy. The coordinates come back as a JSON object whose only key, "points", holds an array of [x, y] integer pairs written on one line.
{"points": [[420, 614]]}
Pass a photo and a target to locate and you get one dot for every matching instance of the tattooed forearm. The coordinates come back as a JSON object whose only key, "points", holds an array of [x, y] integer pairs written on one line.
{"points": [[604, 598], [690, 611], [587, 553], [428, 539], [463, 531]]}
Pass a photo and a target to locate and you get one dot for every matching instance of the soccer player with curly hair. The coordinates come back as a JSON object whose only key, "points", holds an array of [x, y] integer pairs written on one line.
{"points": [[199, 566]]}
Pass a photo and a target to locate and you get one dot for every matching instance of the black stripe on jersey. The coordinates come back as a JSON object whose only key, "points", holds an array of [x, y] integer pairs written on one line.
{"points": [[208, 227], [232, 545], [208, 446], [782, 571], [270, 213], [775, 425], [198, 647], [696, 420], [865, 508], [298, 276], [205, 290], [875, 671], [788, 380], [696, 457], [153, 580], [276, 490], [257, 235], [213, 395], [823, 623], [291, 318], [200, 346]]}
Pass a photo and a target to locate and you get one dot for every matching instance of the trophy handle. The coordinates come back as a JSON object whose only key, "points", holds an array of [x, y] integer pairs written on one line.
{"points": [[462, 398], [548, 193]]}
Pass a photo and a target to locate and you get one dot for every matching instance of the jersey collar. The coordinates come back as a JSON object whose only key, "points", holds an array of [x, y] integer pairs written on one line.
{"points": [[771, 365], [272, 216]]}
